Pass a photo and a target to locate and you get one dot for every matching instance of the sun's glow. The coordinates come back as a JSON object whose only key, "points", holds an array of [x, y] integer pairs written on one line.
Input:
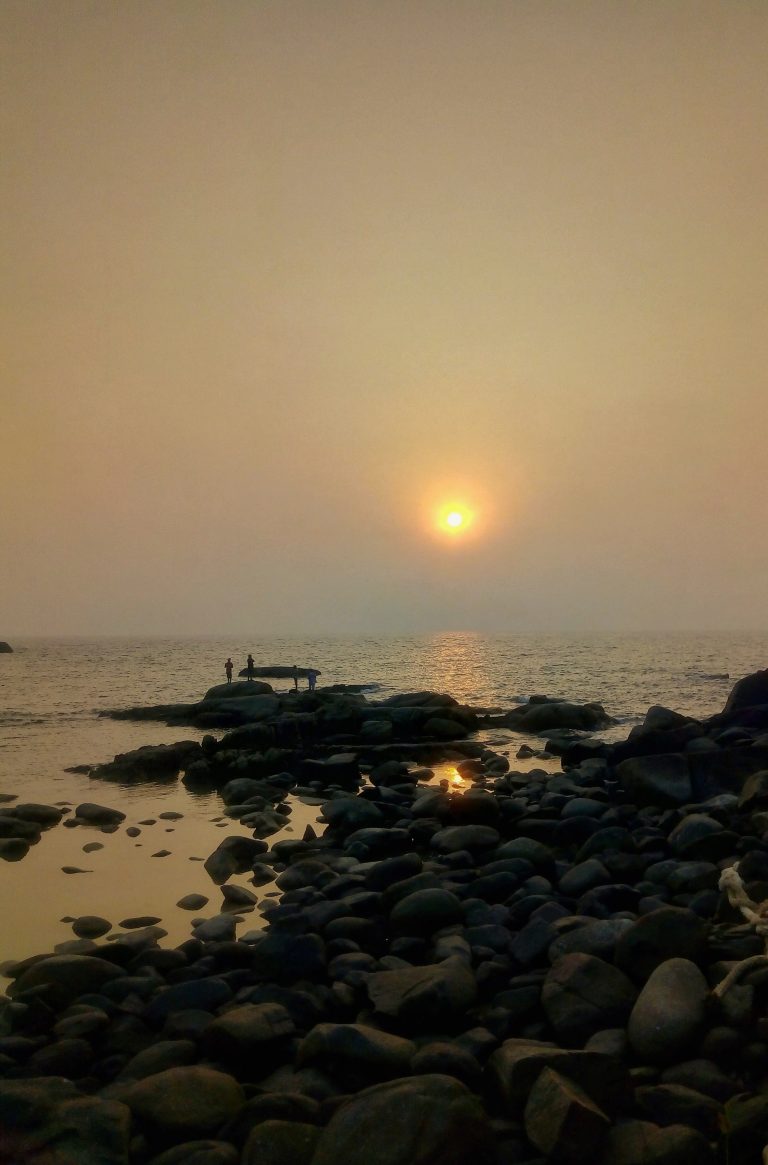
{"points": [[454, 518]]}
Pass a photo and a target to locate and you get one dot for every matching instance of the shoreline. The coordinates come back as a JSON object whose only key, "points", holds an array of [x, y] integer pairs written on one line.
{"points": [[539, 950]]}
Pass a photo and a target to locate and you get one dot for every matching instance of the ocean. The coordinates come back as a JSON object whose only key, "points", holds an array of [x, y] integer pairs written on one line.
{"points": [[51, 692]]}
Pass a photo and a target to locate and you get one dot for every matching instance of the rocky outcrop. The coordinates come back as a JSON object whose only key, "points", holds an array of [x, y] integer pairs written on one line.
{"points": [[5, 648], [529, 970]]}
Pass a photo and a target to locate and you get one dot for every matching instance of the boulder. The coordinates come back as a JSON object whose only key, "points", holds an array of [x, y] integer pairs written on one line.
{"points": [[48, 1119], [552, 714], [183, 1103], [583, 994], [642, 1143], [259, 1031], [418, 997], [280, 1142], [5, 648], [149, 762], [351, 1052], [663, 779], [419, 1120], [669, 1013], [561, 1120], [517, 1064], [425, 912], [65, 977], [98, 814], [236, 691], [204, 1152], [667, 933]]}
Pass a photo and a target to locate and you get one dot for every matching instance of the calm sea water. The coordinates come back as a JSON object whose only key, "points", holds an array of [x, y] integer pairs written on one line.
{"points": [[51, 693]]}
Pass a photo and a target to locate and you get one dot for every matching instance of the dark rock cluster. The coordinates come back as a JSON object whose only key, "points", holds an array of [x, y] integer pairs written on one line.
{"points": [[517, 973]]}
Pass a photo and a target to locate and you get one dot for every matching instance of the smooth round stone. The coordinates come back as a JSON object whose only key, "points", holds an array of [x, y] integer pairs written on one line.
{"points": [[90, 926]]}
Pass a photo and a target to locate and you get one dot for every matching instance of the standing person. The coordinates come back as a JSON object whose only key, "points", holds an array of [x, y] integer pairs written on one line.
{"points": [[295, 674], [311, 679], [228, 669], [249, 666]]}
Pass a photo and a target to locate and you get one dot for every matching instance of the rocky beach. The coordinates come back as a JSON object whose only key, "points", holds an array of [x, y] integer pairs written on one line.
{"points": [[458, 961]]}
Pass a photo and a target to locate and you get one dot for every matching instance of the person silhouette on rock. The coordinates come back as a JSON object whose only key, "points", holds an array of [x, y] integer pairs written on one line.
{"points": [[249, 666], [311, 679], [295, 674], [228, 669]]}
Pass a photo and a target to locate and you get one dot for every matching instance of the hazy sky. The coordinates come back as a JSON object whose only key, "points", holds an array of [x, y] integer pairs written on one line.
{"points": [[283, 277]]}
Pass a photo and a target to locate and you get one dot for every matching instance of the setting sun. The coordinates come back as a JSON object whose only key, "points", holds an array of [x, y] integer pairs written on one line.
{"points": [[454, 519]]}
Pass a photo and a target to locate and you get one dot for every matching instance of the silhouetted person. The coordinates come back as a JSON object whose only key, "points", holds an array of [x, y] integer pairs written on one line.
{"points": [[311, 679], [228, 669], [295, 674], [249, 666]]}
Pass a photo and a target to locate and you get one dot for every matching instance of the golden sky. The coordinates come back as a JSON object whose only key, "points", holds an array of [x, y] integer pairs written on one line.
{"points": [[284, 280]]}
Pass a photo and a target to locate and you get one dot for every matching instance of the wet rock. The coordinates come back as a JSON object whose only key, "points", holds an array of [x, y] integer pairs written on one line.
{"points": [[461, 837], [419, 996], [442, 1058], [254, 1032], [65, 977], [667, 933], [427, 1119], [91, 846], [141, 920], [700, 838], [425, 912], [583, 877], [159, 1057], [220, 928], [50, 1120], [674, 1104], [583, 994], [94, 814], [642, 1143], [351, 1052], [277, 1142], [44, 815], [234, 855], [287, 958], [239, 896], [656, 780], [199, 1153], [180, 1103], [561, 1120], [669, 1013], [195, 995], [517, 1064], [90, 926], [13, 849], [192, 902], [149, 761]]}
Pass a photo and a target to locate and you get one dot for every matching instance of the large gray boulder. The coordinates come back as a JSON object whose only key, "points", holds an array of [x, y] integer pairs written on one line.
{"points": [[421, 1120], [546, 715], [183, 1103], [583, 994], [669, 1014], [47, 1119], [149, 762], [656, 780], [65, 977], [561, 1120], [352, 1052], [418, 997]]}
